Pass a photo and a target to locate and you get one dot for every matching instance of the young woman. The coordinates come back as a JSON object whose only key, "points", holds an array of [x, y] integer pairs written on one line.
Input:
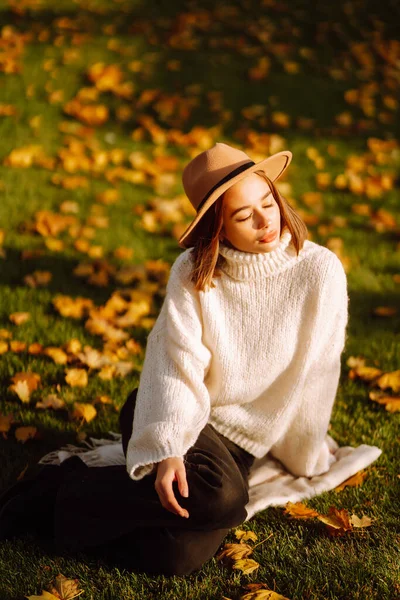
{"points": [[244, 359]]}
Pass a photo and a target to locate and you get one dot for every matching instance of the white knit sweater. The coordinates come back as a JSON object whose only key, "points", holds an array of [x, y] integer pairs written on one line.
{"points": [[258, 357]]}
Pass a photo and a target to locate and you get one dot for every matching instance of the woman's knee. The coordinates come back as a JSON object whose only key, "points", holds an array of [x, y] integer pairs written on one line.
{"points": [[174, 551], [218, 500]]}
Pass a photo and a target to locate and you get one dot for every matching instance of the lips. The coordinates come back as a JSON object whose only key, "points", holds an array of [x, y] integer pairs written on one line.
{"points": [[269, 237]]}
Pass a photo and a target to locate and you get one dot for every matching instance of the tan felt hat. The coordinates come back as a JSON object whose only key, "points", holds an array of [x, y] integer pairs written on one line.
{"points": [[213, 171]]}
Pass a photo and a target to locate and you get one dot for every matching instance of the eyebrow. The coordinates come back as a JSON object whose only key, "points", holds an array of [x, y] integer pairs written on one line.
{"points": [[248, 205]]}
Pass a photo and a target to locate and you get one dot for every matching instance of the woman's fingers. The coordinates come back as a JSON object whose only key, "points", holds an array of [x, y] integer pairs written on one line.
{"points": [[167, 498], [182, 482]]}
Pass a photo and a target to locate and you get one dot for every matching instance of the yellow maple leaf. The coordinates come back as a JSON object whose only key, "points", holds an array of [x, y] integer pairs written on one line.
{"points": [[243, 535], [76, 377], [84, 410], [25, 433], [246, 565]]}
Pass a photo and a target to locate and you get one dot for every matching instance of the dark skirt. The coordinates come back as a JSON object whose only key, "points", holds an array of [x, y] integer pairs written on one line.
{"points": [[76, 507]]}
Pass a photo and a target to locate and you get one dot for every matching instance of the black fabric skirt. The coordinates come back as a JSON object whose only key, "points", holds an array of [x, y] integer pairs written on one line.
{"points": [[79, 508]]}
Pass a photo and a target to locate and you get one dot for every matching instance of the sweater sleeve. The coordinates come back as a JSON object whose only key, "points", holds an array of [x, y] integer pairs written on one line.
{"points": [[303, 449], [173, 402]]}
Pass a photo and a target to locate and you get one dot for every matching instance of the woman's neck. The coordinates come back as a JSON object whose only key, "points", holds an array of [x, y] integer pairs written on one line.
{"points": [[243, 265]]}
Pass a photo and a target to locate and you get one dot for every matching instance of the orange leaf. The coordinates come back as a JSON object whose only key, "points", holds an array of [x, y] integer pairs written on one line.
{"points": [[19, 317], [83, 410], [299, 510], [24, 433], [353, 481]]}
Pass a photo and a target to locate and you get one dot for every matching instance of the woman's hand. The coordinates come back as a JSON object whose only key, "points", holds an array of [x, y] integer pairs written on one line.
{"points": [[169, 470]]}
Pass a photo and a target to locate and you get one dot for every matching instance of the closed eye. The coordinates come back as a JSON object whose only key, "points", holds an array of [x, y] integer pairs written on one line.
{"points": [[245, 219]]}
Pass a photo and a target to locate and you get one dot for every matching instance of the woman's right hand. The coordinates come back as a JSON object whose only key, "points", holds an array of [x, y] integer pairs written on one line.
{"points": [[169, 470]]}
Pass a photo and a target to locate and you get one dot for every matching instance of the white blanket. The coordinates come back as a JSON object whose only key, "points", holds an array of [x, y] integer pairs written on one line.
{"points": [[270, 484]]}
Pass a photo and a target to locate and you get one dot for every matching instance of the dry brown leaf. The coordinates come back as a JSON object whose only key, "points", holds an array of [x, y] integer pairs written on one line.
{"points": [[353, 481], [76, 377], [84, 410], [65, 588], [25, 433], [337, 521], [3, 346], [246, 565], [32, 379], [235, 551], [299, 510]]}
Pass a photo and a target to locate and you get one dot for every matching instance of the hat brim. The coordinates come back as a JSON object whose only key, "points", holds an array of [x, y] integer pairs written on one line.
{"points": [[273, 166]]}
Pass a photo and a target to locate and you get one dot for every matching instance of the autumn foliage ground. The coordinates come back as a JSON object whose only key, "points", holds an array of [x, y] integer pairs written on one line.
{"points": [[101, 105]]}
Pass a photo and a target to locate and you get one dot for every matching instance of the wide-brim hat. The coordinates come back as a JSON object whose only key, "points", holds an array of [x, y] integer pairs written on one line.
{"points": [[212, 172]]}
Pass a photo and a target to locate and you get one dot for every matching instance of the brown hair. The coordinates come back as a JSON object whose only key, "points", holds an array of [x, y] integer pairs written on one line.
{"points": [[205, 252]]}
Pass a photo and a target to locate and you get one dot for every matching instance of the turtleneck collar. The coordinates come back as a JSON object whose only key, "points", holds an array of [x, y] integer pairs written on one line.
{"points": [[249, 265]]}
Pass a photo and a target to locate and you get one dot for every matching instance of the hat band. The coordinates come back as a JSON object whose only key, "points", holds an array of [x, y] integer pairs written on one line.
{"points": [[224, 180]]}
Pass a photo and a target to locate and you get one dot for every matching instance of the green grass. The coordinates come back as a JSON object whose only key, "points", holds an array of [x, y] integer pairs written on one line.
{"points": [[300, 560]]}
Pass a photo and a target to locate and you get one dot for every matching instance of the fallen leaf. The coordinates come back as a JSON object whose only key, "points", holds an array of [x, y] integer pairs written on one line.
{"points": [[246, 565], [299, 510], [5, 423], [363, 522], [337, 520], [18, 318], [22, 390], [65, 588], [390, 380], [44, 596], [353, 481], [243, 535], [76, 377], [84, 410], [51, 401], [25, 433], [235, 551], [263, 594], [57, 354]]}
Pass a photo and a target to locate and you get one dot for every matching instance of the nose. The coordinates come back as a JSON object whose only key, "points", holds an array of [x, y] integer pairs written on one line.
{"points": [[263, 220]]}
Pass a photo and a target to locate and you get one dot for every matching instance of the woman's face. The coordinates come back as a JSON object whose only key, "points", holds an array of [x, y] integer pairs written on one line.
{"points": [[250, 213]]}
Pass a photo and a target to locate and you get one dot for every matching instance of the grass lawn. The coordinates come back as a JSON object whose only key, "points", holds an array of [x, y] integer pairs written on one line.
{"points": [[265, 75]]}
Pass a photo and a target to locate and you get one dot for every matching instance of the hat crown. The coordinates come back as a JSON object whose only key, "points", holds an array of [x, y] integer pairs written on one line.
{"points": [[206, 170]]}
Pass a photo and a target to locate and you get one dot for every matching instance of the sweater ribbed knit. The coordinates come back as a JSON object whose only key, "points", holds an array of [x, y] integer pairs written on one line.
{"points": [[258, 356]]}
